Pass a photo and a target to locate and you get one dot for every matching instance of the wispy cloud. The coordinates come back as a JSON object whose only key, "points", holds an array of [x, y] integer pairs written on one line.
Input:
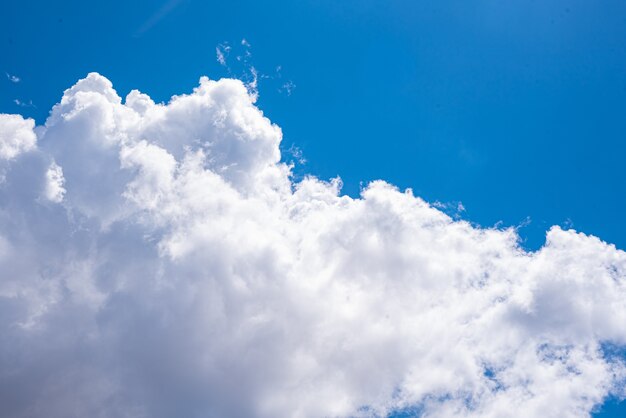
{"points": [[159, 15], [221, 53], [21, 103], [238, 61], [243, 67], [13, 78], [297, 154], [287, 87]]}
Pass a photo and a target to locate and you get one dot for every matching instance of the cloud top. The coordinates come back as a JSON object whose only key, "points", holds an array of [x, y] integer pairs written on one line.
{"points": [[158, 260]]}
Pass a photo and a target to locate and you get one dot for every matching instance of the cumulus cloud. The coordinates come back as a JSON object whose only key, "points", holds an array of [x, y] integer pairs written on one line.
{"points": [[16, 135], [176, 269]]}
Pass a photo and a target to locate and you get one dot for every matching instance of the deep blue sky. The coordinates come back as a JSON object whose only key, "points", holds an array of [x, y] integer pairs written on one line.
{"points": [[517, 109]]}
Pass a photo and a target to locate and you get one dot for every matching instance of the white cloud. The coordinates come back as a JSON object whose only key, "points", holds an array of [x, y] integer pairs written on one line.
{"points": [[16, 135], [21, 103], [222, 51], [54, 190], [246, 71], [220, 56], [186, 274], [13, 78], [253, 84], [288, 87]]}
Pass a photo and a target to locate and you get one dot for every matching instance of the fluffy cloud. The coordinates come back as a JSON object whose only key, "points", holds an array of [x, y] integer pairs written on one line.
{"points": [[16, 136], [157, 260]]}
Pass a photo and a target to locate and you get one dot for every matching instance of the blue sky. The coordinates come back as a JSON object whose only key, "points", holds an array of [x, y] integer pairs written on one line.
{"points": [[515, 109]]}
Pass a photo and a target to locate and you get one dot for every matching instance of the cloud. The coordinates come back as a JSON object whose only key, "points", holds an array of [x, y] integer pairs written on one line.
{"points": [[166, 9], [21, 103], [221, 53], [176, 269], [297, 154], [13, 78], [287, 87], [243, 67], [54, 190], [16, 135]]}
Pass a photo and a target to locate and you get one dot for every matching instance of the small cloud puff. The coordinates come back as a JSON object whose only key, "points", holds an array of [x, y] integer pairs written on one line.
{"points": [[13, 78]]}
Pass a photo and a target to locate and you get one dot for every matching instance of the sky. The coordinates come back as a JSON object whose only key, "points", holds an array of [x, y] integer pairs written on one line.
{"points": [[214, 225]]}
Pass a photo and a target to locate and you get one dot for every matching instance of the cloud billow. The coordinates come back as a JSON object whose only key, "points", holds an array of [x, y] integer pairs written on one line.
{"points": [[158, 260]]}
